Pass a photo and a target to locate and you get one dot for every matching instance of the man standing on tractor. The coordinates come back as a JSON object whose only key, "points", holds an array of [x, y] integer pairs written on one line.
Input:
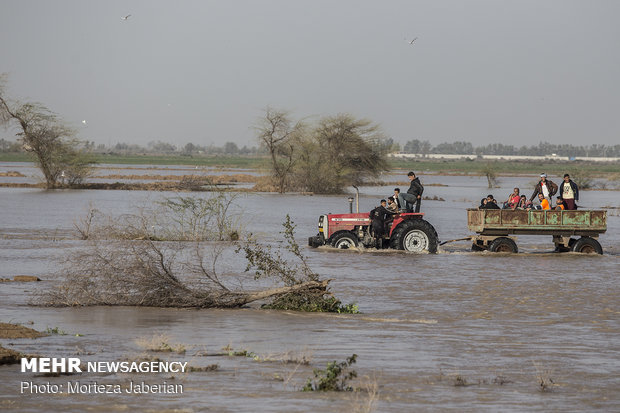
{"points": [[413, 195]]}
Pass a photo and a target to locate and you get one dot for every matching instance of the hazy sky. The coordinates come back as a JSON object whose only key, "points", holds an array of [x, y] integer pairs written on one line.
{"points": [[512, 72]]}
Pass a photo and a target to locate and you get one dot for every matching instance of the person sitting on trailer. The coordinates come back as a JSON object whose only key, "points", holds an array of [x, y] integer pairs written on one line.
{"points": [[559, 204], [491, 203], [513, 200], [524, 203], [544, 204]]}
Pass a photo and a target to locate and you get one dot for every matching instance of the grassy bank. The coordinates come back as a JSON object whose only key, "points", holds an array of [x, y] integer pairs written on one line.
{"points": [[434, 165], [15, 157], [224, 161], [506, 167]]}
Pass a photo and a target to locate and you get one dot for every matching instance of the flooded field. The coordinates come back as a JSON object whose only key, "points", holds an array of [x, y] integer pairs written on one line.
{"points": [[457, 331]]}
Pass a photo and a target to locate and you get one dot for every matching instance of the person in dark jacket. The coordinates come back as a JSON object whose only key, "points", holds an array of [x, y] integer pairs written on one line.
{"points": [[545, 187], [378, 218], [569, 191], [413, 195], [491, 203]]}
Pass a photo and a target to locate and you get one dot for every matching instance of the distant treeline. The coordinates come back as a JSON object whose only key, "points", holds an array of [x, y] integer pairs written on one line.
{"points": [[412, 146], [543, 148], [152, 148]]}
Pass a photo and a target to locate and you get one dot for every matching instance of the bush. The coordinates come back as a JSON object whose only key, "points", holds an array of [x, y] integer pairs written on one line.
{"points": [[582, 178], [269, 263], [334, 377]]}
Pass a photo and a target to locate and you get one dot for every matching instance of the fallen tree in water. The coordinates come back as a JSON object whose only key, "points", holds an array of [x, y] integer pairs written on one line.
{"points": [[143, 271]]}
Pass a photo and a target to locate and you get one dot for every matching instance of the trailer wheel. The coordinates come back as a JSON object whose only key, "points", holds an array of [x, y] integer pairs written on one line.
{"points": [[344, 240], [587, 245], [415, 235], [503, 244]]}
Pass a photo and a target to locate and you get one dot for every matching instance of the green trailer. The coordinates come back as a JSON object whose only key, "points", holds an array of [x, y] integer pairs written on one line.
{"points": [[496, 228]]}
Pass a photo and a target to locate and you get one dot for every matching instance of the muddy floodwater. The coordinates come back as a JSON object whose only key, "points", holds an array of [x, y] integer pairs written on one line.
{"points": [[455, 331]]}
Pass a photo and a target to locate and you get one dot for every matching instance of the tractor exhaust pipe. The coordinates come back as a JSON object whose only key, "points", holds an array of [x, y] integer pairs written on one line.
{"points": [[357, 199]]}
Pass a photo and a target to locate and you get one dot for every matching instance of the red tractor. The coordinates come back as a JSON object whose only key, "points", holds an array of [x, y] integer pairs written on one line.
{"points": [[407, 231]]}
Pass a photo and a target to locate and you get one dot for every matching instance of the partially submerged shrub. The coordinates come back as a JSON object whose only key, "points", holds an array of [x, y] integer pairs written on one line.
{"points": [[144, 272], [55, 330], [174, 219], [582, 178], [199, 219], [210, 367], [543, 378], [334, 378], [269, 263], [160, 343], [311, 303]]}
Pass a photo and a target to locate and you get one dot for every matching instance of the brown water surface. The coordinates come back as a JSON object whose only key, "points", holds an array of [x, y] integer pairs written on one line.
{"points": [[455, 331]]}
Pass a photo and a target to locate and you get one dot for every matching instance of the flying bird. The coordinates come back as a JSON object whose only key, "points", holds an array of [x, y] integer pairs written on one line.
{"points": [[411, 42], [126, 17]]}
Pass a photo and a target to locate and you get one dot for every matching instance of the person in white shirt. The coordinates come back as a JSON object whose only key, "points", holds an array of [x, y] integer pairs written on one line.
{"points": [[545, 187], [569, 191]]}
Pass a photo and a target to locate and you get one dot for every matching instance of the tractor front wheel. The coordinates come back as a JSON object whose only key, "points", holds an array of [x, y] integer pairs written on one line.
{"points": [[344, 240]]}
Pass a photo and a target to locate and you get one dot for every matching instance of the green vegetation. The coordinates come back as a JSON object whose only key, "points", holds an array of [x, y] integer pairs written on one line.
{"points": [[15, 157], [295, 302], [334, 377], [459, 166], [223, 161], [268, 263], [55, 330], [219, 161], [475, 166], [543, 148]]}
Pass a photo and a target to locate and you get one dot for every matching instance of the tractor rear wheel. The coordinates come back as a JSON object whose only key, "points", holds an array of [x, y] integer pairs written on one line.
{"points": [[415, 235]]}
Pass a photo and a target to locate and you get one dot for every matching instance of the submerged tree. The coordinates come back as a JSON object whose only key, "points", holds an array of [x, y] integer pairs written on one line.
{"points": [[57, 152], [336, 152], [489, 170], [341, 151]]}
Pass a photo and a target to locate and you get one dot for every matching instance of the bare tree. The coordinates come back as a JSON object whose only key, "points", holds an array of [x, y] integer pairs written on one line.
{"points": [[278, 134], [56, 150], [490, 171]]}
